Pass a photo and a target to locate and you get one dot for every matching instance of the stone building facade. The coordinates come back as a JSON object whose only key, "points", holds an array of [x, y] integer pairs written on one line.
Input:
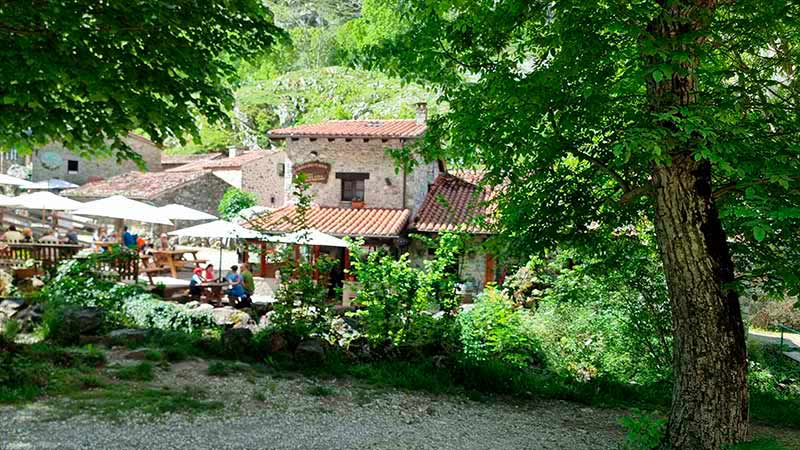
{"points": [[55, 161], [200, 190], [348, 160], [266, 177]]}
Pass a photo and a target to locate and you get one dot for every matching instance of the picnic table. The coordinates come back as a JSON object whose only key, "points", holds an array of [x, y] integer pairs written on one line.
{"points": [[215, 290], [174, 260]]}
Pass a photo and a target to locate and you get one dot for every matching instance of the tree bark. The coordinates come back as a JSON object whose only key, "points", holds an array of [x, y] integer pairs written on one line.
{"points": [[709, 397]]}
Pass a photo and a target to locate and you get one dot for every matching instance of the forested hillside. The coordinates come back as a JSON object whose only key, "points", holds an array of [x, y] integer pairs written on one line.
{"points": [[307, 80]]}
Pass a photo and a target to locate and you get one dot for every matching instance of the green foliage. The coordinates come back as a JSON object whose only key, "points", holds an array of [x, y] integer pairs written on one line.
{"points": [[399, 300], [321, 390], [496, 328], [139, 372], [234, 201], [644, 432], [147, 311], [152, 71], [11, 329]]}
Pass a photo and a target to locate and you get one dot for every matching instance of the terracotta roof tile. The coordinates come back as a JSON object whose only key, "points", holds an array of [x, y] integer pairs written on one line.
{"points": [[221, 163], [367, 222], [136, 185], [454, 204], [354, 128], [186, 159]]}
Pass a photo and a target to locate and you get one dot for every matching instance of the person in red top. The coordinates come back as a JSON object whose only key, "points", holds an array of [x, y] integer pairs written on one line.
{"points": [[209, 273]]}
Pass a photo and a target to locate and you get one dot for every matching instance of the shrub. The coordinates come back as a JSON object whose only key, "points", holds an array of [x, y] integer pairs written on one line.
{"points": [[496, 328], [644, 432], [140, 372], [234, 201], [146, 311]]}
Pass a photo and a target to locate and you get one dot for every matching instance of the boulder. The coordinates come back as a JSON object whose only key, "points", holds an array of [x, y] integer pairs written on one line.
{"points": [[136, 355], [126, 335], [10, 307], [29, 317], [203, 307], [85, 321], [236, 341], [230, 316], [193, 304], [310, 351]]}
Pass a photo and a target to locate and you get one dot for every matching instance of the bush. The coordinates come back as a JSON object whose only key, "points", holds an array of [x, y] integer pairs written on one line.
{"points": [[146, 311], [495, 328], [234, 201], [768, 314]]}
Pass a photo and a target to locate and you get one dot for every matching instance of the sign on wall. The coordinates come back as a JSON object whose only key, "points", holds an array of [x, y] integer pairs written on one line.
{"points": [[51, 160], [315, 171]]}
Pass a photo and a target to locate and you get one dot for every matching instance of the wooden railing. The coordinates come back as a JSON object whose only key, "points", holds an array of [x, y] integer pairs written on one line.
{"points": [[120, 263], [45, 255]]}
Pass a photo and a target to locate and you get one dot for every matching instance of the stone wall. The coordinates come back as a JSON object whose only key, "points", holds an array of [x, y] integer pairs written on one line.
{"points": [[52, 161], [471, 266], [383, 189], [203, 194], [262, 177]]}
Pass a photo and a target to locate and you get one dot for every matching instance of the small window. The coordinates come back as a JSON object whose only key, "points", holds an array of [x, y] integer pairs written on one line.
{"points": [[352, 190], [72, 166], [281, 169]]}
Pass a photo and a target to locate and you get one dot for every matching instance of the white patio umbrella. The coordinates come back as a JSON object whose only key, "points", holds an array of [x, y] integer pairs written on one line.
{"points": [[180, 212], [14, 181], [46, 201], [123, 208], [52, 183], [310, 236], [218, 229]]}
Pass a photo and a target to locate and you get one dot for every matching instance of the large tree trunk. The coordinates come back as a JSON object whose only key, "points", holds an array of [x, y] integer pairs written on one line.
{"points": [[709, 403]]}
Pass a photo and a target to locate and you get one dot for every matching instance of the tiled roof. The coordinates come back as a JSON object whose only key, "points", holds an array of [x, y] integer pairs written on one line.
{"points": [[136, 185], [221, 163], [186, 159], [354, 129], [367, 222], [453, 204]]}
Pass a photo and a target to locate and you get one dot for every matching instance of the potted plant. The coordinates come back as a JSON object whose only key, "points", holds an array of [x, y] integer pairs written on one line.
{"points": [[357, 203]]}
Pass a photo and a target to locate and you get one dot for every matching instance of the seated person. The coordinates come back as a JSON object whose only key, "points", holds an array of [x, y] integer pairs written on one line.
{"points": [[247, 280], [51, 236], [196, 284], [236, 293], [209, 273], [128, 238], [163, 243], [28, 235], [12, 235], [72, 237]]}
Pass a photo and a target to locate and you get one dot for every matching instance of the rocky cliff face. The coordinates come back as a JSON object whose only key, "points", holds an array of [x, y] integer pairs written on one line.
{"points": [[313, 13]]}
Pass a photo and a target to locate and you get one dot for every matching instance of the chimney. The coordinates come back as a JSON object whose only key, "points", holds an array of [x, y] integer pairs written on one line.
{"points": [[233, 151], [422, 113]]}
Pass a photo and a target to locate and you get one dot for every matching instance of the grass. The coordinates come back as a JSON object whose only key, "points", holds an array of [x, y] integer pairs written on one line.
{"points": [[761, 444], [320, 390], [117, 401], [225, 368], [139, 372]]}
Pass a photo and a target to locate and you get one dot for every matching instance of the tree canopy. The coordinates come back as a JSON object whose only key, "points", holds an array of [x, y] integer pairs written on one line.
{"points": [[84, 72]]}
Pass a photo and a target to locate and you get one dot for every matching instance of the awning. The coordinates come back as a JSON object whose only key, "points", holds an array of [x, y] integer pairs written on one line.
{"points": [[119, 207]]}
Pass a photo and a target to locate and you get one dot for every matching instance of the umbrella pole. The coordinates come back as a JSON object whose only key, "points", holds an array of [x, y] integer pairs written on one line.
{"points": [[220, 257]]}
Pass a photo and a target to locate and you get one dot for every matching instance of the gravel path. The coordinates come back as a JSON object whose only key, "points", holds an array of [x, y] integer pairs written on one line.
{"points": [[286, 415]]}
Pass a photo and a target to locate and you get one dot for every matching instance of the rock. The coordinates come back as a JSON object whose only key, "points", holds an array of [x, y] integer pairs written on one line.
{"points": [[93, 340], [10, 307], [203, 307], [29, 317], [310, 351], [236, 341], [230, 316], [136, 355], [126, 335], [36, 282], [277, 343], [192, 304], [83, 321]]}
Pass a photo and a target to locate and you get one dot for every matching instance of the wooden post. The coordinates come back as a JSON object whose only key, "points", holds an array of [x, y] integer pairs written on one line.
{"points": [[314, 259], [347, 276], [488, 275], [263, 260]]}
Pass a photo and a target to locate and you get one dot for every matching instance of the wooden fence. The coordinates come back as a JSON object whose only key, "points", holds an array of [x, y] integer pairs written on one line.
{"points": [[45, 255]]}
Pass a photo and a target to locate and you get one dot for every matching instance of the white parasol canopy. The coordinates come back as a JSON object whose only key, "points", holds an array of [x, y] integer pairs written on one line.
{"points": [[119, 207], [14, 181], [7, 201], [217, 229], [52, 183], [47, 201], [310, 236], [180, 212]]}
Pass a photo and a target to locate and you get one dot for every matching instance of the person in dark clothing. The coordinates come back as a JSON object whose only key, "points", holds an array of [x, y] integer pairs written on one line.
{"points": [[128, 239]]}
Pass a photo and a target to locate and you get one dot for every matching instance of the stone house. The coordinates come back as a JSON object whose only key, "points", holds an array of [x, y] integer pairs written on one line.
{"points": [[199, 190], [174, 161], [256, 171], [458, 202], [55, 161]]}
